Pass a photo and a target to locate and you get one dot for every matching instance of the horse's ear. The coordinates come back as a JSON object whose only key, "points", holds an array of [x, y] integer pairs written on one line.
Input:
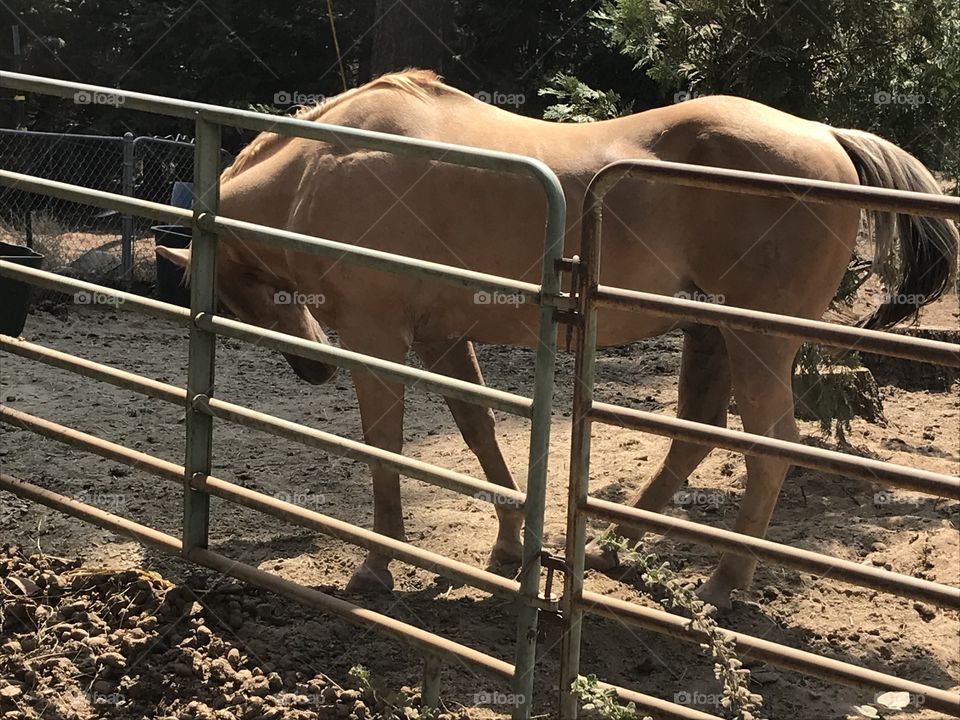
{"points": [[178, 256]]}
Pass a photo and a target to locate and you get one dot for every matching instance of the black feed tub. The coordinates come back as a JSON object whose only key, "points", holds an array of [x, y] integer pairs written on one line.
{"points": [[171, 287], [15, 295]]}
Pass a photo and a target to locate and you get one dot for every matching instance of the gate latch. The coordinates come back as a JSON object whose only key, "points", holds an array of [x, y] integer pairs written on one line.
{"points": [[552, 563], [570, 318]]}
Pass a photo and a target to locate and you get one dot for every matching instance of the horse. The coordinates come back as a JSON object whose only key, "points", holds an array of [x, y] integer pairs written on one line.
{"points": [[777, 255]]}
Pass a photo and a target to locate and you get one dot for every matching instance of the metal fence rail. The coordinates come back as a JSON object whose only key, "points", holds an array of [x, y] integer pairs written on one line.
{"points": [[308, 244], [411, 554], [591, 296], [431, 646], [764, 323], [786, 555], [798, 454], [196, 476], [334, 444], [774, 653]]}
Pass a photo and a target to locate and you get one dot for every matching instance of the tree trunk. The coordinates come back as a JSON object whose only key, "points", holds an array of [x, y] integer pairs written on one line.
{"points": [[408, 34]]}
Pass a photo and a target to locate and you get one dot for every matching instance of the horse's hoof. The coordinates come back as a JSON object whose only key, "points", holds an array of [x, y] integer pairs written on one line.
{"points": [[716, 593], [600, 558], [370, 581], [506, 554]]}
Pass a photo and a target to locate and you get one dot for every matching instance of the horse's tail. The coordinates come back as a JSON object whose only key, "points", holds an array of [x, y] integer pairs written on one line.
{"points": [[915, 256]]}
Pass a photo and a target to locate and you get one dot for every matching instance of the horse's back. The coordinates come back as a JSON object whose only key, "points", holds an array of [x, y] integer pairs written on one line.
{"points": [[696, 130], [657, 237]]}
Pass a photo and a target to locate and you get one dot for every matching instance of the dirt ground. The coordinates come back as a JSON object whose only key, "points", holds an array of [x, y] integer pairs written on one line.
{"points": [[858, 521]]}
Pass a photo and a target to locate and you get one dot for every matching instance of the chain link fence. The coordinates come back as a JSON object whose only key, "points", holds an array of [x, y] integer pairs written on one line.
{"points": [[101, 246]]}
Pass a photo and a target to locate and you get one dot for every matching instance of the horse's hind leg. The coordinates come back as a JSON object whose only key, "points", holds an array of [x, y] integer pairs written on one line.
{"points": [[477, 426], [762, 385], [703, 396]]}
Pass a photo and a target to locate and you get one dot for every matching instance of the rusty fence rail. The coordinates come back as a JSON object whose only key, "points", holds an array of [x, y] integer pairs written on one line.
{"points": [[195, 475], [592, 295]]}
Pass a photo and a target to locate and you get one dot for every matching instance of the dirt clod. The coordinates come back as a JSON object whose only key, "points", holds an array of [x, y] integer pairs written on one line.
{"points": [[52, 662]]}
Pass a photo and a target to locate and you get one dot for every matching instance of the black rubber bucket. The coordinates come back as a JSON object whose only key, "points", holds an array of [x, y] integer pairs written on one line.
{"points": [[170, 285], [15, 295]]}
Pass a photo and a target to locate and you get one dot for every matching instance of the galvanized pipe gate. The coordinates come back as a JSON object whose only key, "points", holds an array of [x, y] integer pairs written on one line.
{"points": [[591, 295], [201, 406]]}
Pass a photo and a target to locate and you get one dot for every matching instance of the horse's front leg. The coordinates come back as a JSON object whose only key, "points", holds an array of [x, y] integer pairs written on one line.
{"points": [[381, 414], [478, 428]]}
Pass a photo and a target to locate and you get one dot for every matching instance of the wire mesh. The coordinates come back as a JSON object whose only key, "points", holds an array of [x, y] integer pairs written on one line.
{"points": [[75, 239], [158, 163], [82, 241]]}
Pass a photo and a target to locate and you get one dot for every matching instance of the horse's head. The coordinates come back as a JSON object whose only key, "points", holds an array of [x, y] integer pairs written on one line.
{"points": [[259, 297]]}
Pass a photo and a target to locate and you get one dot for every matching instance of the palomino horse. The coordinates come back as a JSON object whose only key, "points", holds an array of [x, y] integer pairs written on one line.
{"points": [[769, 254]]}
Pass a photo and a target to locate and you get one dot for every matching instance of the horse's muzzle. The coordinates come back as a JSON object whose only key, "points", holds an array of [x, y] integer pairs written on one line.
{"points": [[314, 372]]}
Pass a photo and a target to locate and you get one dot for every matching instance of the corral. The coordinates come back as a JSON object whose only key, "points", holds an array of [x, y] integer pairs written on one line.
{"points": [[780, 595]]}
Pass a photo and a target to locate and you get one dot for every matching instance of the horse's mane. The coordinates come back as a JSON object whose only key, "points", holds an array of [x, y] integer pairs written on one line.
{"points": [[411, 81]]}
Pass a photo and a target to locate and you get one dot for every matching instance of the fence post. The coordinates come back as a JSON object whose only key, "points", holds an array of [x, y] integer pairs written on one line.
{"points": [[200, 373], [28, 224], [126, 225], [430, 693], [545, 364]]}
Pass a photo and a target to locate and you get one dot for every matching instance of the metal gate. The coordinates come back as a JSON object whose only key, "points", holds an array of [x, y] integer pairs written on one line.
{"points": [[592, 295], [201, 407]]}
